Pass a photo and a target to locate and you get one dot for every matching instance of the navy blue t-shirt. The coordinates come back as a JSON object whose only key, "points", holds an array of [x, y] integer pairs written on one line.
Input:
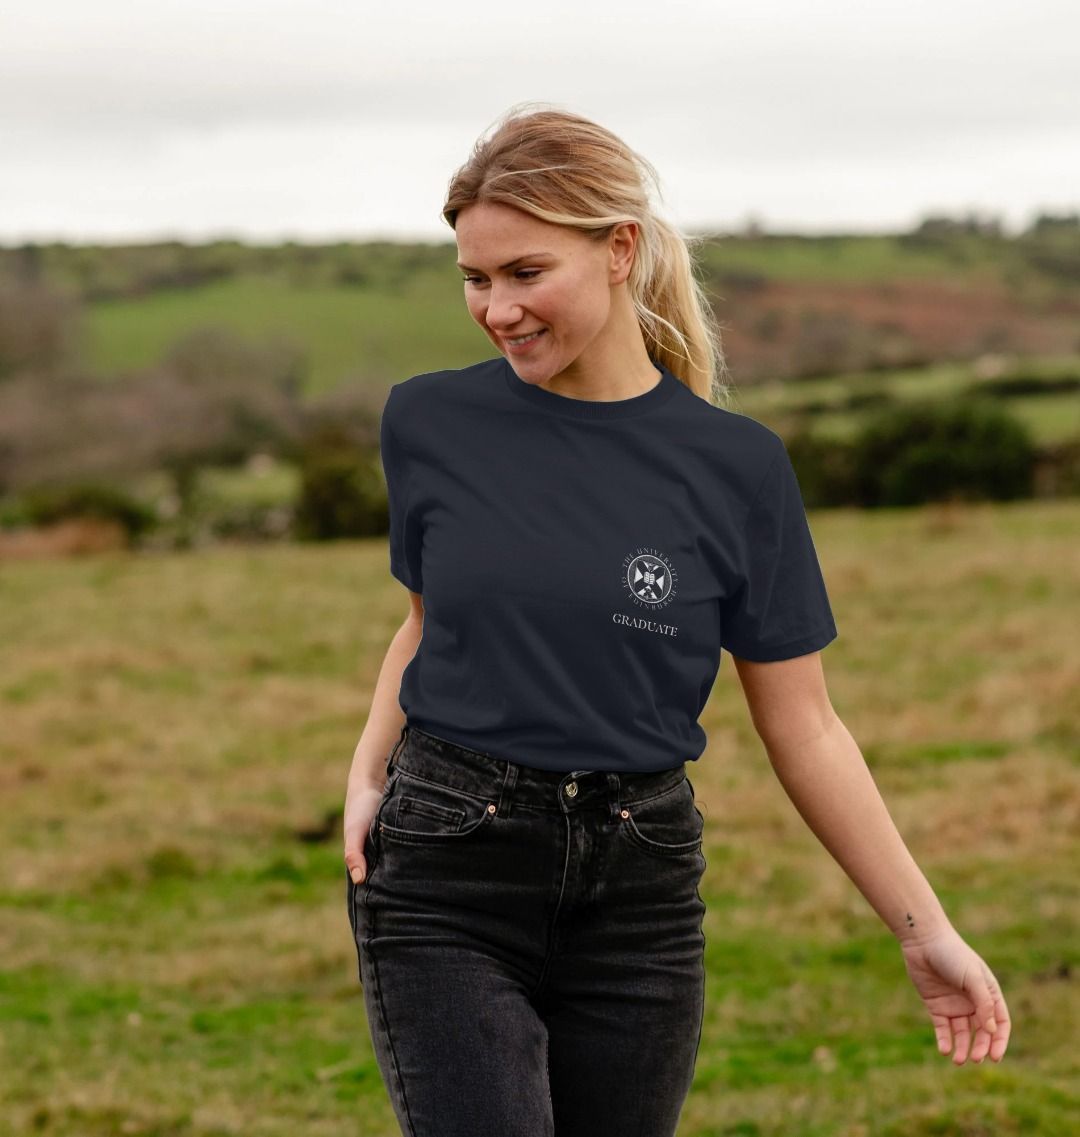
{"points": [[583, 563]]}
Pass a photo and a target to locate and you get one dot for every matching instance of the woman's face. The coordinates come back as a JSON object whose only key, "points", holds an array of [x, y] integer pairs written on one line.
{"points": [[524, 275]]}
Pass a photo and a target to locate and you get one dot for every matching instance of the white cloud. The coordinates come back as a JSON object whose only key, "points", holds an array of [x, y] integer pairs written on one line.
{"points": [[268, 117]]}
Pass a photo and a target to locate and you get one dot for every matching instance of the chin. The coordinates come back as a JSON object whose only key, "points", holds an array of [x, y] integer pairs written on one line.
{"points": [[535, 379]]}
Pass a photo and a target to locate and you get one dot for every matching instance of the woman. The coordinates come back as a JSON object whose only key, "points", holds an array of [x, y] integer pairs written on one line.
{"points": [[582, 529]]}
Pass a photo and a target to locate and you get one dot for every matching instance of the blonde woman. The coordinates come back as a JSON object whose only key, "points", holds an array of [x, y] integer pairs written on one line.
{"points": [[583, 527]]}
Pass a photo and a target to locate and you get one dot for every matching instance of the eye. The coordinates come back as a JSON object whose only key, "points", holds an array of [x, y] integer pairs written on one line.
{"points": [[525, 273]]}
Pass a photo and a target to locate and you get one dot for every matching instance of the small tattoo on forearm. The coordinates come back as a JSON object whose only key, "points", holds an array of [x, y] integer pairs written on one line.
{"points": [[910, 920]]}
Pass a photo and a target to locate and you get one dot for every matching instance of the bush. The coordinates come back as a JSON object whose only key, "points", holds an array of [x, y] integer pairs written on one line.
{"points": [[342, 493], [47, 505], [1057, 469], [824, 468], [1025, 384], [863, 400], [70, 427], [40, 327], [930, 451]]}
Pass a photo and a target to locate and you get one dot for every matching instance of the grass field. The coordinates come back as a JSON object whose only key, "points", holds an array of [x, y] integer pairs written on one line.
{"points": [[405, 312], [347, 334], [175, 960], [411, 310]]}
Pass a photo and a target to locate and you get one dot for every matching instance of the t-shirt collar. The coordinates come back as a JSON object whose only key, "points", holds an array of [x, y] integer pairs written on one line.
{"points": [[569, 407]]}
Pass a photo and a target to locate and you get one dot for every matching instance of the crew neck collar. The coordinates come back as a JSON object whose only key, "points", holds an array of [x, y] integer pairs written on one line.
{"points": [[569, 407]]}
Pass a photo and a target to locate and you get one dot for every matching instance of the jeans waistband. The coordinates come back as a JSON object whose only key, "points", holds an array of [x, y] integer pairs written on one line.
{"points": [[473, 772]]}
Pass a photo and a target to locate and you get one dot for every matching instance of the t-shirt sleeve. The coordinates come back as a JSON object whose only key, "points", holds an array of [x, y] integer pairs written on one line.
{"points": [[778, 607], [405, 531]]}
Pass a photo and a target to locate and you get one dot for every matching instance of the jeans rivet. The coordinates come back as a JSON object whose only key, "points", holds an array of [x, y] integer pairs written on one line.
{"points": [[624, 813], [571, 789], [491, 807]]}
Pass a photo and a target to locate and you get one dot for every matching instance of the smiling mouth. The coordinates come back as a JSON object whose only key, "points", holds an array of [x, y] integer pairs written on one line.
{"points": [[518, 341]]}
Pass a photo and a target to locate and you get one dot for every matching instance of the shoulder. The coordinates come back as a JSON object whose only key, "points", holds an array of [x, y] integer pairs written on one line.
{"points": [[721, 425], [432, 392], [746, 433], [734, 447]]}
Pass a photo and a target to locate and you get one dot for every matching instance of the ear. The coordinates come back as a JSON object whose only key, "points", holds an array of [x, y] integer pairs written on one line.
{"points": [[622, 244]]}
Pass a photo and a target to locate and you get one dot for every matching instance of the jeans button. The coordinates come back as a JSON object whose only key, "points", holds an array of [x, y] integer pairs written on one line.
{"points": [[571, 789]]}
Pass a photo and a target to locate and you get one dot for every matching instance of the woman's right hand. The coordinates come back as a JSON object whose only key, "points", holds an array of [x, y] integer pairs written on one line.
{"points": [[361, 805], [962, 996]]}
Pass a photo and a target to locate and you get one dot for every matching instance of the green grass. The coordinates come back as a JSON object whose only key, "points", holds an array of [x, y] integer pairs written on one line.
{"points": [[348, 334], [410, 315], [860, 259], [174, 959]]}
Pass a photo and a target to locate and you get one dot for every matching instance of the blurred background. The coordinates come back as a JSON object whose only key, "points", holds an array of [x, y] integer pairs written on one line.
{"points": [[220, 245]]}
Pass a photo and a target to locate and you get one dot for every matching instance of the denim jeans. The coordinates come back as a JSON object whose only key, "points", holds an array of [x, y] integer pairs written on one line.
{"points": [[530, 945]]}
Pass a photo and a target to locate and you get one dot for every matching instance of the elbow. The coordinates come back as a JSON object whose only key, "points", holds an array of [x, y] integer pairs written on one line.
{"points": [[789, 702], [797, 734]]}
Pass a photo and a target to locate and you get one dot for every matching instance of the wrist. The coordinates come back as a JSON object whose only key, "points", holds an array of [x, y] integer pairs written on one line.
{"points": [[915, 928], [363, 783]]}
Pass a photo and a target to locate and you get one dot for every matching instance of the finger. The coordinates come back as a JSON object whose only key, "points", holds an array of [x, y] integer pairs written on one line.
{"points": [[1001, 1042], [1004, 1029], [981, 1045], [943, 1033], [977, 988], [1002, 1026], [961, 1028]]}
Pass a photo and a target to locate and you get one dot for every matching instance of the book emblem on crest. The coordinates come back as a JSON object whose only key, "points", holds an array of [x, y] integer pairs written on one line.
{"points": [[649, 578]]}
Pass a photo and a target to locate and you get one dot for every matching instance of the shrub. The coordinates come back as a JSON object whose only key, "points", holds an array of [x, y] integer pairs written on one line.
{"points": [[47, 505], [824, 468], [863, 400], [70, 427], [342, 493], [929, 451], [1057, 469], [1027, 384], [40, 326]]}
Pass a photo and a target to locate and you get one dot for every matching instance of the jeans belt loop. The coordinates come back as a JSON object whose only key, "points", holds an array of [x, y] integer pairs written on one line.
{"points": [[614, 784], [504, 806]]}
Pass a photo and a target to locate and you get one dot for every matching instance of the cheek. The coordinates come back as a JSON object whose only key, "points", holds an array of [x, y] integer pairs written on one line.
{"points": [[558, 307], [476, 309], [582, 305]]}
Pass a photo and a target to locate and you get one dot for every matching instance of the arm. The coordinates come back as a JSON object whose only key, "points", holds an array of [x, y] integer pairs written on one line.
{"points": [[367, 774], [824, 774]]}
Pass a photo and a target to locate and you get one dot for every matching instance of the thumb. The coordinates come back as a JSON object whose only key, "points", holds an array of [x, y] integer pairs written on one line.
{"points": [[357, 866]]}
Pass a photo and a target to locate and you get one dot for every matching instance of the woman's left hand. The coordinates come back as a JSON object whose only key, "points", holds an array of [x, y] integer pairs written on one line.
{"points": [[962, 996]]}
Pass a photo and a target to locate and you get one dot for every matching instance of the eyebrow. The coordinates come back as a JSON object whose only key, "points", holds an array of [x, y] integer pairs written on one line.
{"points": [[509, 264]]}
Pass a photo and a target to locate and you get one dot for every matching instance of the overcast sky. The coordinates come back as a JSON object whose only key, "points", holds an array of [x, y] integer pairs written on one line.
{"points": [[337, 119]]}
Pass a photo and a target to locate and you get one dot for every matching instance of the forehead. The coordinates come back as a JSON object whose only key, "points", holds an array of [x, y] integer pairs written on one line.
{"points": [[490, 234]]}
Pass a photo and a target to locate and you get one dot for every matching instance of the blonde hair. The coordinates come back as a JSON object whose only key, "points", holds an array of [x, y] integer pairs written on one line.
{"points": [[565, 169]]}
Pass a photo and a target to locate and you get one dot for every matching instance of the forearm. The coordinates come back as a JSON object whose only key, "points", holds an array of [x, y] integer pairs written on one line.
{"points": [[831, 786], [386, 718]]}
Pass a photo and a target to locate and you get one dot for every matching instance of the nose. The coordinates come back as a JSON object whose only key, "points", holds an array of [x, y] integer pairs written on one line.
{"points": [[503, 312]]}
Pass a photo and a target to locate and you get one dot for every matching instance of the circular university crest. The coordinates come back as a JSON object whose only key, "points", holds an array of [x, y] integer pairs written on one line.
{"points": [[649, 578]]}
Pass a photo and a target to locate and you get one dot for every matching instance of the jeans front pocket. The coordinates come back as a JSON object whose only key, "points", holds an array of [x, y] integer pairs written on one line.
{"points": [[421, 811], [667, 825]]}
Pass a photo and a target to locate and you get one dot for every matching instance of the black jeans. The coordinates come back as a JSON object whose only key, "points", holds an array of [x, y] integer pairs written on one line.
{"points": [[530, 945]]}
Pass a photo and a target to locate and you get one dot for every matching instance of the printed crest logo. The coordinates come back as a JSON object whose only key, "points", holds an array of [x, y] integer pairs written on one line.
{"points": [[649, 578]]}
